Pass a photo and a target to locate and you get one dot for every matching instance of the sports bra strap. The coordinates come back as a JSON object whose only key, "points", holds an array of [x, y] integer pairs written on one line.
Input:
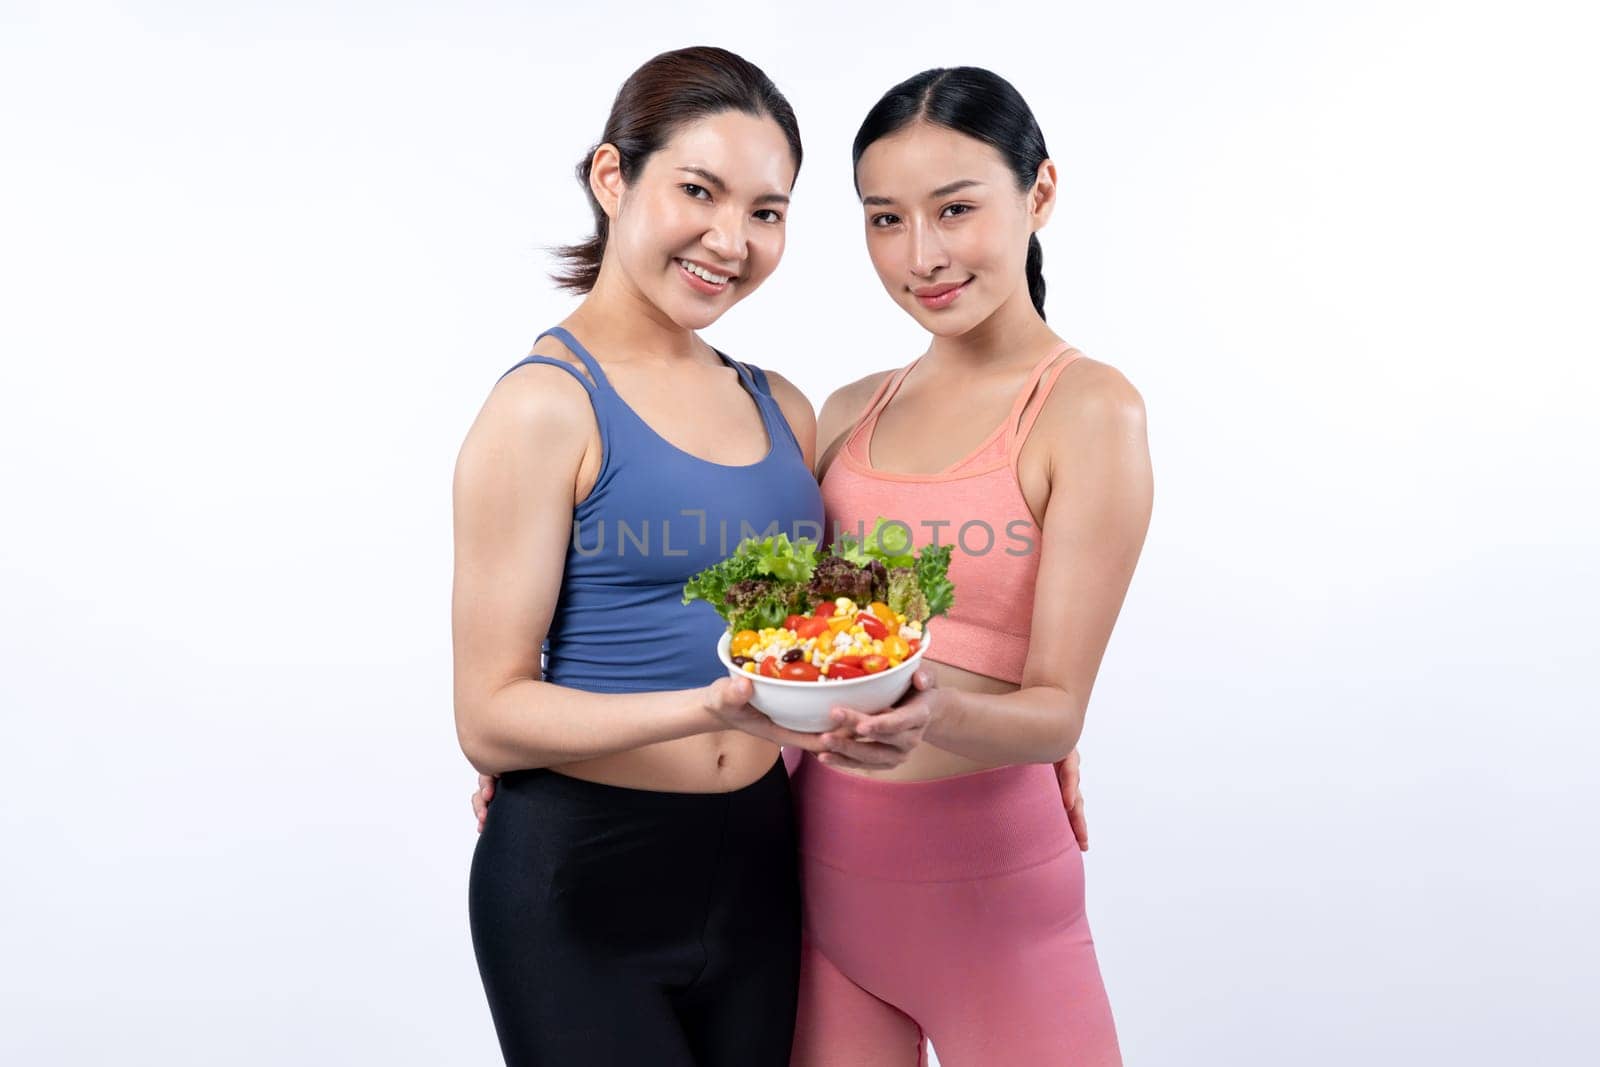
{"points": [[553, 362], [886, 391], [758, 375], [562, 334], [1048, 372]]}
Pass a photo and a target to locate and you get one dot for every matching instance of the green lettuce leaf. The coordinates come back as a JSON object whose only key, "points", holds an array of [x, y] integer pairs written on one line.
{"points": [[787, 564], [887, 542], [933, 577]]}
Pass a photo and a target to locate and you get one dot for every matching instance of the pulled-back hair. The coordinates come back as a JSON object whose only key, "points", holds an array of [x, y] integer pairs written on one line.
{"points": [[980, 104], [669, 92]]}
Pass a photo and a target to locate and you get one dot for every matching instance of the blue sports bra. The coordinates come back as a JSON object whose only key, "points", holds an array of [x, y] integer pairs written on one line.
{"points": [[656, 516]]}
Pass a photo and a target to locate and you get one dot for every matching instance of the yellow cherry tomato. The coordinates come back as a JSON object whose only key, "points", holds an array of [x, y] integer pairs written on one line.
{"points": [[896, 647], [881, 610], [743, 642]]}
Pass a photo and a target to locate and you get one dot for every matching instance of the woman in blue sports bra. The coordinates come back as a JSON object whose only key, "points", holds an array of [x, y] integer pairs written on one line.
{"points": [[634, 894]]}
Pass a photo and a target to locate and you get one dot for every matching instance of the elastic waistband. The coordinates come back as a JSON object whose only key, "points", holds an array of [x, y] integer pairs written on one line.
{"points": [[950, 829], [554, 784]]}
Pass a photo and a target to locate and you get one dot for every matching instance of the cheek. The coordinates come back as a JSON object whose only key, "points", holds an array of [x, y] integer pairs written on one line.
{"points": [[765, 249], [655, 225], [982, 249], [887, 257]]}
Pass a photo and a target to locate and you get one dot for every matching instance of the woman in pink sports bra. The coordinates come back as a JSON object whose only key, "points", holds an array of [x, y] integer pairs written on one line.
{"points": [[943, 888]]}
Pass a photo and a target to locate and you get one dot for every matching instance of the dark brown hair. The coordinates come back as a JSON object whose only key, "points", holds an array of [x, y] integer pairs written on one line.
{"points": [[980, 104], [666, 94]]}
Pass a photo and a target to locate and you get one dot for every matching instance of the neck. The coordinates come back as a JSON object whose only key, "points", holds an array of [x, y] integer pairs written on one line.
{"points": [[1013, 334], [622, 320]]}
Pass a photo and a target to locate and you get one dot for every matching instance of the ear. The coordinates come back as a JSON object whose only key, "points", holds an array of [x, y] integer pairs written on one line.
{"points": [[605, 178], [1042, 197]]}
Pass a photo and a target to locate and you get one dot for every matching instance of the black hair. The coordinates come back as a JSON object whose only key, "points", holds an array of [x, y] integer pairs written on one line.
{"points": [[980, 104]]}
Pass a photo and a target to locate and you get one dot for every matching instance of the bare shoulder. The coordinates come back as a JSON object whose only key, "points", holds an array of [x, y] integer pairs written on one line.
{"points": [[848, 403], [843, 408], [1092, 399], [537, 417]]}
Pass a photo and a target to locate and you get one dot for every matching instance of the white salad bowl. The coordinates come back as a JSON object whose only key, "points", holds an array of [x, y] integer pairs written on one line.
{"points": [[805, 706]]}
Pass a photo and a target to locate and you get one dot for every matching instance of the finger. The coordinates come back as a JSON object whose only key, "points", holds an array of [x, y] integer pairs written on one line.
{"points": [[924, 680], [905, 724], [835, 759], [856, 726], [758, 725], [1080, 825], [728, 693], [870, 753], [785, 736], [847, 720]]}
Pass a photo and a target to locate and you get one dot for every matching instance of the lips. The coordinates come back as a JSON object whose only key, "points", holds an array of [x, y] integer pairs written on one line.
{"points": [[721, 272], [940, 296]]}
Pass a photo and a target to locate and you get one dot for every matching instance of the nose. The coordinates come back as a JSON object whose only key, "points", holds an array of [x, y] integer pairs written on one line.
{"points": [[726, 238], [927, 251]]}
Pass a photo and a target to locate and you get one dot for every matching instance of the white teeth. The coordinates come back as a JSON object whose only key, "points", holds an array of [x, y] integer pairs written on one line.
{"points": [[701, 272]]}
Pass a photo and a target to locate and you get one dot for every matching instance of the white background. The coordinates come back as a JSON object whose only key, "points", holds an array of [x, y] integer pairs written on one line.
{"points": [[258, 271]]}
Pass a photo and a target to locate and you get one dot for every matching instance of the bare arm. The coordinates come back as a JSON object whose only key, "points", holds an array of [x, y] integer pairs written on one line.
{"points": [[1094, 528], [515, 482]]}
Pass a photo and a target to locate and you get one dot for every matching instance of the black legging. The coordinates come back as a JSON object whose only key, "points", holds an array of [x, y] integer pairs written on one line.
{"points": [[637, 928]]}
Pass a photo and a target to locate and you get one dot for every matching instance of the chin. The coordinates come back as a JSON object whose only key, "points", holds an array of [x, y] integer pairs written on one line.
{"points": [[696, 318], [940, 324]]}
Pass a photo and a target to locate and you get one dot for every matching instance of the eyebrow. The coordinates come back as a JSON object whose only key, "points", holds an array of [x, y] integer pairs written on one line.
{"points": [[722, 187], [943, 190]]}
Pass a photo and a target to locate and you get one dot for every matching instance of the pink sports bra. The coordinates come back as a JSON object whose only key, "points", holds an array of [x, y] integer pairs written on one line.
{"points": [[976, 505]]}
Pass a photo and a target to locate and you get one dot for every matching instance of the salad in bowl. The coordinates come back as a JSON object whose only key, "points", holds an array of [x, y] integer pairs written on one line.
{"points": [[814, 628]]}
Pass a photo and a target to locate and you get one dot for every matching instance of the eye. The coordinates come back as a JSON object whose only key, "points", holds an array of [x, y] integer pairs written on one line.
{"points": [[957, 209], [695, 190], [883, 220], [774, 216]]}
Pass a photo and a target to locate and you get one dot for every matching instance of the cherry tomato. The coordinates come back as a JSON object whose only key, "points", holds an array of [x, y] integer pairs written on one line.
{"points": [[799, 671], [882, 611], [873, 625], [838, 670], [743, 642], [770, 667], [793, 622], [896, 647], [824, 609], [913, 644], [874, 663], [838, 623], [813, 627], [848, 661]]}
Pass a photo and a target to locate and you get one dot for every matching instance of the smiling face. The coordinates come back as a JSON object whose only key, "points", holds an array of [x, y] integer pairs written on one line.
{"points": [[702, 224], [947, 227]]}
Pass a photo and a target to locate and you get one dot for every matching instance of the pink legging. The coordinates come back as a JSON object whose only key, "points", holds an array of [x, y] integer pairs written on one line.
{"points": [[951, 910]]}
